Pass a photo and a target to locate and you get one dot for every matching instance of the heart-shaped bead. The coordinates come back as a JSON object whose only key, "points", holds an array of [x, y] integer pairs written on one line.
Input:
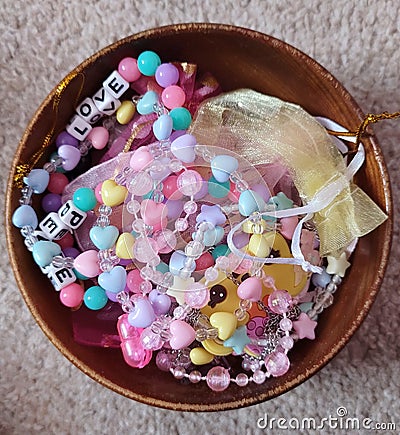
{"points": [[43, 252], [250, 202], [113, 281], [70, 156], [145, 106], [38, 180], [250, 289], [160, 302], [98, 136], [182, 334], [176, 262], [112, 194], [162, 127], [124, 246], [87, 263], [104, 237], [288, 225], [25, 216], [154, 214], [225, 323], [142, 315], [260, 244], [183, 148], [140, 159], [200, 356], [222, 167]]}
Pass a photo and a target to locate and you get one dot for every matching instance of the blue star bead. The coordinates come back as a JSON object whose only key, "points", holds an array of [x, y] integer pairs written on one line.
{"points": [[211, 214], [238, 340], [281, 201]]}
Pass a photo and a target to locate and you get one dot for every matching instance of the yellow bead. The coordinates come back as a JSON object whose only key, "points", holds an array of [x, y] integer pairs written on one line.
{"points": [[113, 194], [215, 348], [124, 246], [225, 323], [248, 226], [200, 356], [125, 112], [260, 244]]}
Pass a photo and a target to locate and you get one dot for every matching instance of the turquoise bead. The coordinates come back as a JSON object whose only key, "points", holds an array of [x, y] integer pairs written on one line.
{"points": [[148, 62], [148, 195], [145, 105], [79, 275], [95, 298], [85, 199], [162, 267], [181, 118], [220, 251], [104, 237], [250, 202], [281, 201], [216, 189], [44, 251]]}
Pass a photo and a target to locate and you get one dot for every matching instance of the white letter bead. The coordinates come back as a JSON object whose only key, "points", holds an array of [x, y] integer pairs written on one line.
{"points": [[71, 215], [88, 111], [105, 102], [78, 128], [60, 277], [115, 84], [53, 227]]}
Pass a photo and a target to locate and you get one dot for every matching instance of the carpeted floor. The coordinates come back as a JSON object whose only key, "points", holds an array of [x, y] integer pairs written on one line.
{"points": [[358, 41]]}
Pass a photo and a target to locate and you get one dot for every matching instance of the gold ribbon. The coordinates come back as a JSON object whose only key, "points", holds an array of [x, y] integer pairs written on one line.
{"points": [[266, 130], [23, 169]]}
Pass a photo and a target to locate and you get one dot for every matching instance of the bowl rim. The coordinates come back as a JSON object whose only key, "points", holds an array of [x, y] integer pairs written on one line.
{"points": [[288, 385]]}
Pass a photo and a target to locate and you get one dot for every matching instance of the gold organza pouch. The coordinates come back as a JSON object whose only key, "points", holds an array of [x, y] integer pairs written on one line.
{"points": [[265, 130]]}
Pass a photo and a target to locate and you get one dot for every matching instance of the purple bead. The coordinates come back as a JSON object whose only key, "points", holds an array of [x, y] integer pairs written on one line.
{"points": [[174, 208], [71, 252], [240, 240], [112, 296], [167, 75], [64, 138], [175, 134], [51, 202], [202, 192]]}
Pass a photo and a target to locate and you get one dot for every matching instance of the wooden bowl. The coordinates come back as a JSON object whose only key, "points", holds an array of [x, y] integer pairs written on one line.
{"points": [[238, 58]]}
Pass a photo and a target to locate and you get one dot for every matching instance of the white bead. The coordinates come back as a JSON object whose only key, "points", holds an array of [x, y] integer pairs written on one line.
{"points": [[53, 227], [78, 128], [115, 84], [60, 277], [71, 215], [88, 111], [105, 102]]}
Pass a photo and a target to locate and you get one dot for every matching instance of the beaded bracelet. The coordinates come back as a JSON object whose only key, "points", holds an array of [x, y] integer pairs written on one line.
{"points": [[166, 309]]}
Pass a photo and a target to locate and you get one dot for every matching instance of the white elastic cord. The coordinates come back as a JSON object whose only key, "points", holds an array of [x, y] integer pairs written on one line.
{"points": [[321, 200]]}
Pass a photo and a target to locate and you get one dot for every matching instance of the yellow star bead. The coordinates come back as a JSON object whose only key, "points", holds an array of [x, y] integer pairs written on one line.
{"points": [[337, 265]]}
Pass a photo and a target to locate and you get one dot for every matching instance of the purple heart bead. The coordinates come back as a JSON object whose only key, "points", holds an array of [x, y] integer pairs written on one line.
{"points": [[161, 303], [183, 148], [143, 314], [70, 156]]}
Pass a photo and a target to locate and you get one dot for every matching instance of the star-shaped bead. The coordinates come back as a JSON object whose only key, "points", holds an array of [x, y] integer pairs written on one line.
{"points": [[178, 288], [337, 266], [305, 327], [211, 214], [281, 201], [238, 340]]}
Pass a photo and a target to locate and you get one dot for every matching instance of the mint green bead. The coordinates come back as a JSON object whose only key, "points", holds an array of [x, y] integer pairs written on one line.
{"points": [[148, 62], [148, 195], [181, 118], [84, 198], [216, 189], [95, 298], [220, 251], [162, 267]]}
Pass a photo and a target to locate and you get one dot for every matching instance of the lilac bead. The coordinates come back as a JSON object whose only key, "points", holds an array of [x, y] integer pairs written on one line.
{"points": [[167, 75], [259, 376], [240, 240], [112, 296], [64, 138], [262, 190], [175, 134], [51, 202], [71, 252], [174, 208], [202, 192], [179, 372], [218, 378], [277, 363]]}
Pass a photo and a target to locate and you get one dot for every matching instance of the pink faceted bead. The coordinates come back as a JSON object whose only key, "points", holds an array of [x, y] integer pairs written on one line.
{"points": [[277, 363], [279, 301], [218, 378], [128, 69], [133, 281], [164, 361], [72, 295], [259, 376], [189, 182], [173, 96], [197, 295], [150, 340]]}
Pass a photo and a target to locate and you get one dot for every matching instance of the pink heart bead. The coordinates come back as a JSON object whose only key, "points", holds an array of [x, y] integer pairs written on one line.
{"points": [[288, 225], [250, 289], [87, 263], [98, 136], [182, 334], [154, 214], [140, 159]]}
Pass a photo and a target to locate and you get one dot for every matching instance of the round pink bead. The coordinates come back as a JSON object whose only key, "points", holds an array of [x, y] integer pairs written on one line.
{"points": [[259, 377], [97, 192], [218, 378], [179, 372], [72, 295], [279, 301], [286, 342], [173, 96], [277, 363], [57, 183], [194, 376], [189, 182], [133, 281], [242, 379], [128, 69], [170, 188], [164, 361]]}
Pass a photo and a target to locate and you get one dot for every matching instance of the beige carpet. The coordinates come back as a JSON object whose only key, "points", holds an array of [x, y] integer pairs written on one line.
{"points": [[41, 41]]}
